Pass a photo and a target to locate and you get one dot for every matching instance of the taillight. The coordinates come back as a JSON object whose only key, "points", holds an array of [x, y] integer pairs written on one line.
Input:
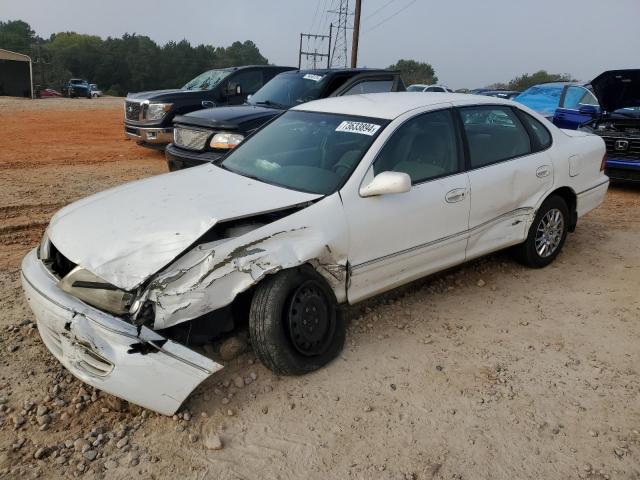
{"points": [[604, 162]]}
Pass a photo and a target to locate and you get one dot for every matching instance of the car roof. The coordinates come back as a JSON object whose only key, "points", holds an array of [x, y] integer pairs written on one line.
{"points": [[555, 84], [393, 104], [325, 71]]}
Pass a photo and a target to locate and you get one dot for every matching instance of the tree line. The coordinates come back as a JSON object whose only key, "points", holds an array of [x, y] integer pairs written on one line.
{"points": [[130, 63]]}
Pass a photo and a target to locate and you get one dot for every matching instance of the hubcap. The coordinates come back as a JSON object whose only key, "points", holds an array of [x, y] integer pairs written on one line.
{"points": [[549, 233], [310, 321]]}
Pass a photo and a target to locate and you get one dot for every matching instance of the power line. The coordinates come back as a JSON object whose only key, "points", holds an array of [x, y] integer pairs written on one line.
{"points": [[379, 9], [392, 15]]}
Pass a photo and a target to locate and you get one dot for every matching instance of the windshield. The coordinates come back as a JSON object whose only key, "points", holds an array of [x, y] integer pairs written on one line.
{"points": [[544, 99], [207, 80], [75, 81], [306, 151], [415, 88], [288, 90]]}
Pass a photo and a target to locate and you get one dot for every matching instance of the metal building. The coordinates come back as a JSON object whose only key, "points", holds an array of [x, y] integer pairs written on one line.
{"points": [[16, 74]]}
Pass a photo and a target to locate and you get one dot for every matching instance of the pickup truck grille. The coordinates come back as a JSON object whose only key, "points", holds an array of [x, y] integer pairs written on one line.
{"points": [[623, 147], [132, 110], [190, 139]]}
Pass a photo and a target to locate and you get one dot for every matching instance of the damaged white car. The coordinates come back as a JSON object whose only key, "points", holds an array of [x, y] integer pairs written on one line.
{"points": [[331, 203]]}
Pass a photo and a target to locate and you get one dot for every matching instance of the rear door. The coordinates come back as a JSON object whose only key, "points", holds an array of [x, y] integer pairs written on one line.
{"points": [[509, 173], [569, 114]]}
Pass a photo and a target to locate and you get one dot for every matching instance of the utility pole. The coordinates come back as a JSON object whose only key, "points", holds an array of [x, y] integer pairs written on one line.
{"points": [[356, 34], [315, 55]]}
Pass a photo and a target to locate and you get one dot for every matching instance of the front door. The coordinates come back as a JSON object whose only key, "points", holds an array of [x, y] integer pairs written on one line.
{"points": [[400, 237], [570, 115]]}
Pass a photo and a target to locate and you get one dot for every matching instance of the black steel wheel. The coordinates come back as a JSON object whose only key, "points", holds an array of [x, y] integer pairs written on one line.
{"points": [[295, 323]]}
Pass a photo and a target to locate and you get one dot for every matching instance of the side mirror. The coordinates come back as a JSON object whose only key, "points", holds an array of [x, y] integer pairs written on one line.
{"points": [[589, 110], [386, 183]]}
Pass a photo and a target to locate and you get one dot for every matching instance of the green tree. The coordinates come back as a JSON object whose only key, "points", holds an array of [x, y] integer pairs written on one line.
{"points": [[498, 86], [415, 72], [16, 36], [541, 76], [130, 63]]}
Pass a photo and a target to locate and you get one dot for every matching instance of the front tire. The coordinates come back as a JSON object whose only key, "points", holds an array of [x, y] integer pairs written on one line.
{"points": [[295, 323], [547, 234]]}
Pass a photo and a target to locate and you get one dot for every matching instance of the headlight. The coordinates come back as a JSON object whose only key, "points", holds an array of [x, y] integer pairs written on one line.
{"points": [[91, 289], [44, 249], [155, 111], [226, 141]]}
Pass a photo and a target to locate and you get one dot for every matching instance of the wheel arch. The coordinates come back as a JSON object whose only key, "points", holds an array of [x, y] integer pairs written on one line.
{"points": [[571, 199]]}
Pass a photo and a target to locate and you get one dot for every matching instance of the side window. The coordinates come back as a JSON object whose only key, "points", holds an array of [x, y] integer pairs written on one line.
{"points": [[425, 148], [589, 99], [370, 86], [494, 134], [250, 81], [577, 96], [540, 132], [435, 89]]}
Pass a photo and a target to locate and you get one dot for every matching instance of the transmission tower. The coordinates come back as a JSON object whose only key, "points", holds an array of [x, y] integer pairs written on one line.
{"points": [[341, 46]]}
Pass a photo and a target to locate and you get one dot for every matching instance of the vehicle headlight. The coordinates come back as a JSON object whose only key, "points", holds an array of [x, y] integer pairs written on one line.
{"points": [[155, 111], [91, 289], [226, 141], [44, 249]]}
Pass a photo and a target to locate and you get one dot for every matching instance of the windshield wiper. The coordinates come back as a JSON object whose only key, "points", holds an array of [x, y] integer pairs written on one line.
{"points": [[269, 103]]}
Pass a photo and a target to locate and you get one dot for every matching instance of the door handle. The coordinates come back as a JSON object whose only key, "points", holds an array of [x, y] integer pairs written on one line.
{"points": [[455, 195], [543, 171]]}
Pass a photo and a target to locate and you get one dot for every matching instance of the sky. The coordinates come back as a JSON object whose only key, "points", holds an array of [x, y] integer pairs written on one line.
{"points": [[470, 43]]}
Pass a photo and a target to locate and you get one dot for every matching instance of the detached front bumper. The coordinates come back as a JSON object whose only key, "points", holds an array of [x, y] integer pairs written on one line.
{"points": [[108, 353], [149, 135], [179, 159]]}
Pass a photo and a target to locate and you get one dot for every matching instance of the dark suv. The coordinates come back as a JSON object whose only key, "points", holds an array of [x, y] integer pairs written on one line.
{"points": [[148, 115], [207, 135], [76, 87]]}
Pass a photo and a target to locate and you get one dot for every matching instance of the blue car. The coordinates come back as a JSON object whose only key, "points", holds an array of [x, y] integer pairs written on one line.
{"points": [[609, 106], [566, 104]]}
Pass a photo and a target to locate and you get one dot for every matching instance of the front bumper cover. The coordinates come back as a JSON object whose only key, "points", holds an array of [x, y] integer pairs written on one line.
{"points": [[108, 353], [149, 135], [179, 159], [623, 169]]}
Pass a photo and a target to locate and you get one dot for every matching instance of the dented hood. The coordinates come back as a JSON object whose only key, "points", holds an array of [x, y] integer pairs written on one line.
{"points": [[126, 234]]}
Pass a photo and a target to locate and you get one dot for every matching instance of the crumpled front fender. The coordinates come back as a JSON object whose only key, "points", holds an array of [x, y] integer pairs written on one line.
{"points": [[211, 275]]}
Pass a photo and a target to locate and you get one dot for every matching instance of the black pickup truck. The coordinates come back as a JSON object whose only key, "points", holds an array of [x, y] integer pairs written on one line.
{"points": [[207, 135], [148, 116]]}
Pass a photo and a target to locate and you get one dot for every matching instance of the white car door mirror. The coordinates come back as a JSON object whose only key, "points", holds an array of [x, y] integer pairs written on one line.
{"points": [[385, 183]]}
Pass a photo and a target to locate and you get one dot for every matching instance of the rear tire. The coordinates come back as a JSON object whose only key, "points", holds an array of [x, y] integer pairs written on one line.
{"points": [[295, 323], [547, 234]]}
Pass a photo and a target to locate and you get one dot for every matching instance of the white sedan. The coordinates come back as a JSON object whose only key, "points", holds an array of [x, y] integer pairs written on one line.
{"points": [[331, 203]]}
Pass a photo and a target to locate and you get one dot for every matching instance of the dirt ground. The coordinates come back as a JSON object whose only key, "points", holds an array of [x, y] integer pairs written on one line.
{"points": [[490, 371]]}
